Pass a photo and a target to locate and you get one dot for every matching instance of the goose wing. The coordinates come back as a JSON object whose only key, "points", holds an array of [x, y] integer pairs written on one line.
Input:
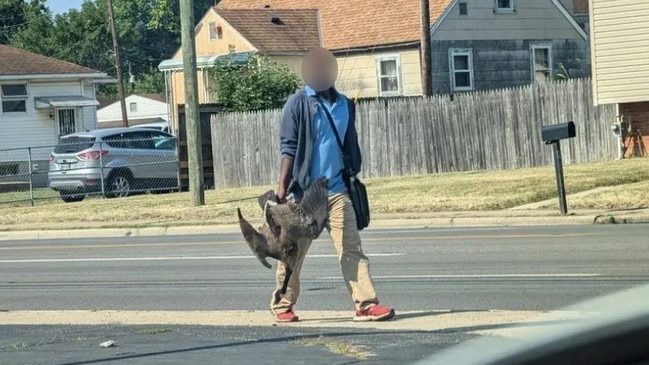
{"points": [[315, 205], [257, 242]]}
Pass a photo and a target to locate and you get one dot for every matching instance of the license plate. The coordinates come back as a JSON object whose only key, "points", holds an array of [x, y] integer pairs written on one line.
{"points": [[65, 167]]}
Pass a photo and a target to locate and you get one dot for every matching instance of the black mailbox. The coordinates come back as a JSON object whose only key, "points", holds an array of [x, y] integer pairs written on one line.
{"points": [[556, 132]]}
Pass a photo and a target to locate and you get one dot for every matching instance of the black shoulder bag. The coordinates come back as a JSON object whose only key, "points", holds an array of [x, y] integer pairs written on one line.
{"points": [[356, 189]]}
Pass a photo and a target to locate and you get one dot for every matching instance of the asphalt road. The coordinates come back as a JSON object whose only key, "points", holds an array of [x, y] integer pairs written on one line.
{"points": [[536, 268]]}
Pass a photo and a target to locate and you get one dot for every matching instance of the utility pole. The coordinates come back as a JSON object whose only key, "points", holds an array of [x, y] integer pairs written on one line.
{"points": [[425, 49], [192, 124], [118, 66]]}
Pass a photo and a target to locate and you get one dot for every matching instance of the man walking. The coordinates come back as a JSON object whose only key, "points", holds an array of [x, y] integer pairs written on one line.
{"points": [[309, 150]]}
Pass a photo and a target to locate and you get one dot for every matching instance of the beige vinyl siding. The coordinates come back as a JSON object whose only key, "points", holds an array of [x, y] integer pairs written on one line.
{"points": [[358, 74], [620, 50], [230, 40], [294, 63], [533, 19]]}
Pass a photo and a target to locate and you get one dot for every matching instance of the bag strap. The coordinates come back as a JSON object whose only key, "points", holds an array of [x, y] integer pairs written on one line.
{"points": [[346, 158]]}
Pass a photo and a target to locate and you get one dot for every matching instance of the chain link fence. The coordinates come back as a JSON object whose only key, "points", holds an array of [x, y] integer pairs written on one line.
{"points": [[81, 167]]}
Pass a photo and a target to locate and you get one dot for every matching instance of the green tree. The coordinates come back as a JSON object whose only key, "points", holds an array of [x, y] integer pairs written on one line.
{"points": [[148, 31], [260, 84], [16, 15]]}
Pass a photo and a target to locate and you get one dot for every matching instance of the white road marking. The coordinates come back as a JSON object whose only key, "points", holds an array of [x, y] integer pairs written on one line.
{"points": [[475, 276], [170, 258]]}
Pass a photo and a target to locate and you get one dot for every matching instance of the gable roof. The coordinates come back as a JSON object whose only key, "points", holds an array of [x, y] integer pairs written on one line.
{"points": [[557, 3], [16, 62], [356, 23], [103, 101], [156, 97], [275, 30]]}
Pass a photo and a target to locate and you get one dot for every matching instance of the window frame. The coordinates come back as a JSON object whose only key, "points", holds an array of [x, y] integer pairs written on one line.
{"points": [[533, 48], [462, 4], [379, 77], [510, 9], [451, 59], [24, 98], [214, 30], [132, 107]]}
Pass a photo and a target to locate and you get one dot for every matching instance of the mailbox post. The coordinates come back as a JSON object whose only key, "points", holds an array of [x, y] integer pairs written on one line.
{"points": [[553, 134]]}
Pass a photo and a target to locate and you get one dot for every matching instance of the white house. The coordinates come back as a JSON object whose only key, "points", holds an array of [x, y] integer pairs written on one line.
{"points": [[41, 98], [140, 109]]}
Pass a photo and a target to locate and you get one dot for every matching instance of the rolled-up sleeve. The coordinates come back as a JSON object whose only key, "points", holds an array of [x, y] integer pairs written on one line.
{"points": [[288, 130]]}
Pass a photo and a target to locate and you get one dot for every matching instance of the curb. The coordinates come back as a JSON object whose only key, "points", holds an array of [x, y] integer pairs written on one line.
{"points": [[436, 320], [376, 224]]}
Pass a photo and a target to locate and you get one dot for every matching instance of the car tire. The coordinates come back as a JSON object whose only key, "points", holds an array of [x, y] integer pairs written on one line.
{"points": [[119, 185], [71, 197]]}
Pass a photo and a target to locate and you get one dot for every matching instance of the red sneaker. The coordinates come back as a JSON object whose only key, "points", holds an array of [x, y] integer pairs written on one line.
{"points": [[375, 313], [286, 317]]}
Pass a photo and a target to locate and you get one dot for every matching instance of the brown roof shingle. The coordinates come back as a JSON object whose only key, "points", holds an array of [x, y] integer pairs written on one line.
{"points": [[356, 23], [156, 97], [580, 6], [14, 61], [294, 30]]}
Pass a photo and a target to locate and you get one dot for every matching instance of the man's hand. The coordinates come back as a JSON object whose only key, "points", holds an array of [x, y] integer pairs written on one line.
{"points": [[281, 195]]}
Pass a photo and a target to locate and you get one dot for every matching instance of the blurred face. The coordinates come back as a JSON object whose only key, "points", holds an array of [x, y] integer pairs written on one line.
{"points": [[319, 69]]}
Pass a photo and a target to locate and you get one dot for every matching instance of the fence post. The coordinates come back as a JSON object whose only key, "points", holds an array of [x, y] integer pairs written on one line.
{"points": [[101, 166], [31, 176]]}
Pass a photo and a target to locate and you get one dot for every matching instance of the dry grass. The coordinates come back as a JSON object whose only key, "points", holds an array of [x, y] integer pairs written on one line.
{"points": [[414, 194], [153, 331], [630, 196], [337, 347]]}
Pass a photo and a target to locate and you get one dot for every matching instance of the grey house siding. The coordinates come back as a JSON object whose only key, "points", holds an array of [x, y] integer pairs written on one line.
{"points": [[506, 63]]}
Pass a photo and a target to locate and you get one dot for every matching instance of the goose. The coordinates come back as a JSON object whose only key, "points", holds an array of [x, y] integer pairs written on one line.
{"points": [[287, 223]]}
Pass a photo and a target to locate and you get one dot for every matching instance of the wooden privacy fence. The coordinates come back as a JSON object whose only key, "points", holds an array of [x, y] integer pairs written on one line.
{"points": [[498, 129]]}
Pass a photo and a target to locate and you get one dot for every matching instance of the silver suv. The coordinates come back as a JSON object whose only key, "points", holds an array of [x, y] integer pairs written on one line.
{"points": [[130, 160]]}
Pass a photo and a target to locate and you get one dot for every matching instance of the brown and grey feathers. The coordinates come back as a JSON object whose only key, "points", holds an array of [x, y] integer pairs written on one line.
{"points": [[315, 205], [287, 223], [257, 242], [305, 219]]}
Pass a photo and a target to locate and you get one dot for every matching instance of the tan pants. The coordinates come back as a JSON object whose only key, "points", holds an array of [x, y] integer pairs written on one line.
{"points": [[354, 264]]}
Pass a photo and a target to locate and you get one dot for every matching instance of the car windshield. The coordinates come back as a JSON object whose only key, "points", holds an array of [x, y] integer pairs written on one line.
{"points": [[74, 144], [482, 160]]}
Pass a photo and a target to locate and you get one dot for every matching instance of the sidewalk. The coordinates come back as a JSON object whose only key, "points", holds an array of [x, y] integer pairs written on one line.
{"points": [[379, 221]]}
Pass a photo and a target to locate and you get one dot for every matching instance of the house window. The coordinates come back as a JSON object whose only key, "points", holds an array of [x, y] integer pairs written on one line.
{"points": [[541, 62], [14, 98], [388, 68], [133, 107], [464, 8], [504, 6], [216, 32], [461, 65]]}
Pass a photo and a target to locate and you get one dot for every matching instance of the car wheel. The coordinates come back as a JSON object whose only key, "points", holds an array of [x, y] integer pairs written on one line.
{"points": [[119, 186], [71, 197]]}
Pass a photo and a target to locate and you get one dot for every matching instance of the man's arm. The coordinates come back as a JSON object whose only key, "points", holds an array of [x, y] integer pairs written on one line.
{"points": [[285, 172], [288, 147], [351, 139]]}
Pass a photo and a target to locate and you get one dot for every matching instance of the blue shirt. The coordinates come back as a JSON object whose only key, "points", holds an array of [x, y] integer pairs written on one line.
{"points": [[327, 158]]}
